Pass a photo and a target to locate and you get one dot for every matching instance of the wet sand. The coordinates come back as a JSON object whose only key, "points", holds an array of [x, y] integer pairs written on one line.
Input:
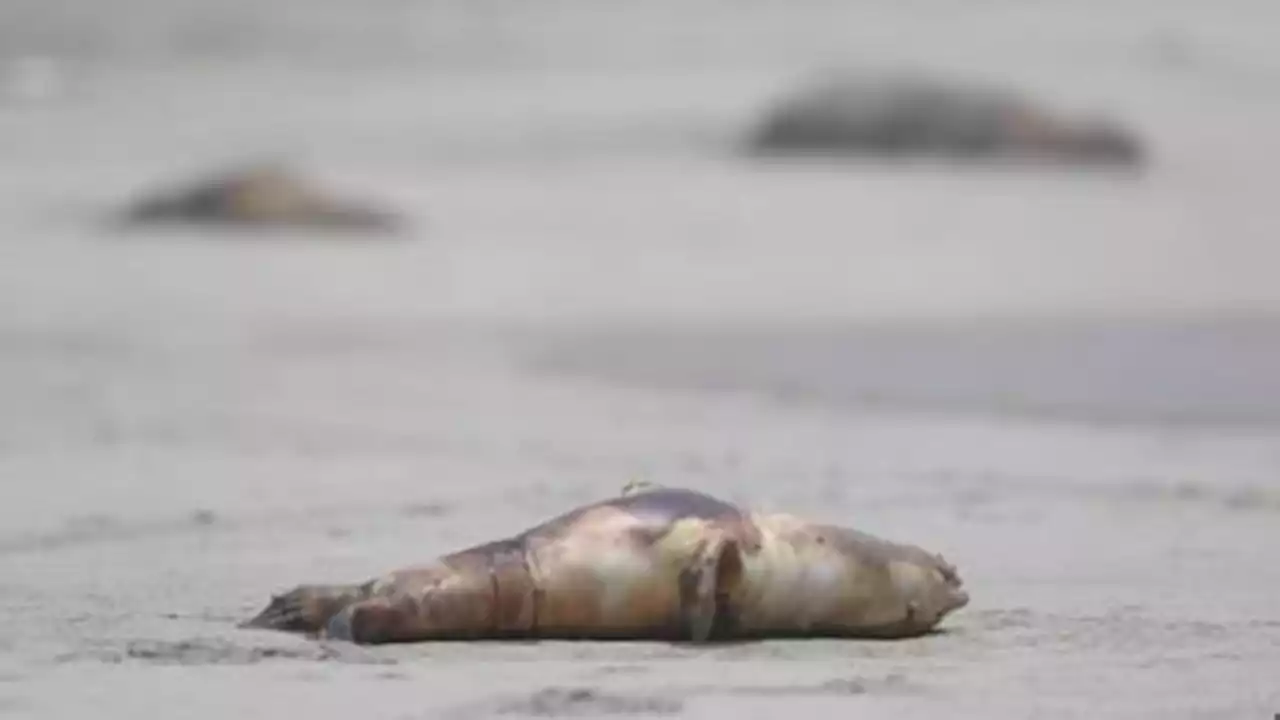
{"points": [[1061, 382]]}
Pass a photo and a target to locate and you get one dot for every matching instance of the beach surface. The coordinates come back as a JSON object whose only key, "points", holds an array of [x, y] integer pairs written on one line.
{"points": [[1063, 381]]}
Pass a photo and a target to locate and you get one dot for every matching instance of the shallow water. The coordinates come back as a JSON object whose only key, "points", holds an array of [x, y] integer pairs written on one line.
{"points": [[1062, 381]]}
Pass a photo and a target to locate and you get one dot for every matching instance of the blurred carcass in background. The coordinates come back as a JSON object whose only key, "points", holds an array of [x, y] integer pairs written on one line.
{"points": [[910, 114]]}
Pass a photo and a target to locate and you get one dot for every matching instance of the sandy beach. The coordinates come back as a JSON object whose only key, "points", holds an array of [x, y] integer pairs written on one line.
{"points": [[1063, 381]]}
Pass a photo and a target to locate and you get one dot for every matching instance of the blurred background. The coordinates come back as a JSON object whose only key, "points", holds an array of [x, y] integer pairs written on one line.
{"points": [[303, 291]]}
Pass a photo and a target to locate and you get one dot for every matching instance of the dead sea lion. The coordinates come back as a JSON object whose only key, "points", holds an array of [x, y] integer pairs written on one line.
{"points": [[263, 195], [655, 563], [912, 114]]}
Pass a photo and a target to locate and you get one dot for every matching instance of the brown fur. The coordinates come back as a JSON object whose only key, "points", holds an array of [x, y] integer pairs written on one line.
{"points": [[655, 563], [262, 196]]}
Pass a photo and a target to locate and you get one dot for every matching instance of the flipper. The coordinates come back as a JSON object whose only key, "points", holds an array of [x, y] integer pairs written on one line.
{"points": [[306, 608]]}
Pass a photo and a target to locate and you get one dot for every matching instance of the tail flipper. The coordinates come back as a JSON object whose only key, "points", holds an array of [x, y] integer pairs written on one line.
{"points": [[306, 608]]}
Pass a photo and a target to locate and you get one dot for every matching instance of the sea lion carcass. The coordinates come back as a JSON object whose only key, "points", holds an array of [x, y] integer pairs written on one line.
{"points": [[917, 114], [261, 195], [654, 563]]}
